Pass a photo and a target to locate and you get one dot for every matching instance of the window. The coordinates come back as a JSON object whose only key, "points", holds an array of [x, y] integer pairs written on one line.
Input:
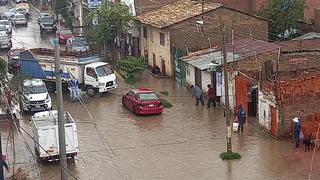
{"points": [[103, 71], [130, 94], [91, 72], [145, 32], [162, 39], [147, 96]]}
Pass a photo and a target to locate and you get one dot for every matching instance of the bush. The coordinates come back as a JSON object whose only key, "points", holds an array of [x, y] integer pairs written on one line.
{"points": [[165, 93], [130, 80], [166, 103], [230, 156]]}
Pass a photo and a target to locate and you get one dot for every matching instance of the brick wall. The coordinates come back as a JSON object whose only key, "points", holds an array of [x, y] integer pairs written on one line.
{"points": [[298, 97], [185, 34]]}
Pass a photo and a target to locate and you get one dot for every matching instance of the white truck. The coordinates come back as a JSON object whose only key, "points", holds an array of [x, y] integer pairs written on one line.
{"points": [[45, 133], [93, 74]]}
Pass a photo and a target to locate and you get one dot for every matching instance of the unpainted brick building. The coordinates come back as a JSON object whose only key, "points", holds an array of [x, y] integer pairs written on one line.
{"points": [[295, 93]]}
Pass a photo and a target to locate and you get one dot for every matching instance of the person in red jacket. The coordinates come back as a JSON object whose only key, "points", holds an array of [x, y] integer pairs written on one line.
{"points": [[211, 95]]}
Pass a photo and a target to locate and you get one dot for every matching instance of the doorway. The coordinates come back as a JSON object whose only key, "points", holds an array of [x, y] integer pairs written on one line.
{"points": [[274, 125], [154, 62], [197, 77], [163, 66]]}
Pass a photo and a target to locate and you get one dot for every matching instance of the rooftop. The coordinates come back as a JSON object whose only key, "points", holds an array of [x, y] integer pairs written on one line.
{"points": [[248, 47], [176, 12], [310, 35]]}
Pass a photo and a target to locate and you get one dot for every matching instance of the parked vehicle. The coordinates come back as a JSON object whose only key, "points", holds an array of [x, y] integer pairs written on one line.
{"points": [[64, 34], [5, 41], [3, 29], [19, 19], [8, 15], [21, 1], [93, 75], [77, 44], [45, 134], [7, 25], [23, 8], [3, 2], [36, 95], [142, 101], [47, 22]]}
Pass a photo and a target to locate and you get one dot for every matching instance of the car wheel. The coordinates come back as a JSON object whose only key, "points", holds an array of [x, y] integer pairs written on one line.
{"points": [[91, 92], [133, 109]]}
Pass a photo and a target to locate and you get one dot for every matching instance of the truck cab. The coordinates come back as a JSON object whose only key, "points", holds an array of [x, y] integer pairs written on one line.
{"points": [[36, 96], [98, 77]]}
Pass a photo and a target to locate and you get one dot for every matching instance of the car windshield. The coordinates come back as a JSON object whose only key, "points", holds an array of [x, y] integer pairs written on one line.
{"points": [[4, 22], [80, 43], [147, 96], [20, 16], [103, 71], [35, 89], [47, 19], [65, 31], [3, 28]]}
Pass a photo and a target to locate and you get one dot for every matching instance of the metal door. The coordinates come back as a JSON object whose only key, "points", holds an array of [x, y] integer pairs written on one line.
{"points": [[197, 77]]}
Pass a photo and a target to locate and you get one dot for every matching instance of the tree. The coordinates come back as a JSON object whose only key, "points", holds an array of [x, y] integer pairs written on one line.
{"points": [[284, 16], [66, 9], [113, 19], [132, 66]]}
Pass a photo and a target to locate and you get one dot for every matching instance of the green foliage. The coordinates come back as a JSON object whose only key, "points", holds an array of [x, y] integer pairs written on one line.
{"points": [[230, 156], [130, 79], [165, 93], [284, 15], [61, 7], [113, 19], [132, 65], [166, 103]]}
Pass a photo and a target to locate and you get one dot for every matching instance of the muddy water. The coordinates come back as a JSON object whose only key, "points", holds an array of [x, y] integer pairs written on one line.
{"points": [[183, 143]]}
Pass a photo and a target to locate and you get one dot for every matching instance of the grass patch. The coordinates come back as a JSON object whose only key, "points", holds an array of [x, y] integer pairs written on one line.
{"points": [[166, 103], [230, 156], [165, 93]]}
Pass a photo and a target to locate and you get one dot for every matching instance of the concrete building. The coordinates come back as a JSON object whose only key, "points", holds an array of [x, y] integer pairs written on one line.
{"points": [[173, 30]]}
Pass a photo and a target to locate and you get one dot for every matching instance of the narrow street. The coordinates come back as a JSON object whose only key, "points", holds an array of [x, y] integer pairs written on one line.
{"points": [[182, 143]]}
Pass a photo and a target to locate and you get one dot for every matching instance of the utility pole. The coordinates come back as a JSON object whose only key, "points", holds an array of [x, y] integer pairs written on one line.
{"points": [[1, 168], [81, 16], [61, 126], [226, 87]]}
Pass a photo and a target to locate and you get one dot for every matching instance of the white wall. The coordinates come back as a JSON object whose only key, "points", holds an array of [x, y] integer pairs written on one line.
{"points": [[190, 74], [264, 110], [206, 79]]}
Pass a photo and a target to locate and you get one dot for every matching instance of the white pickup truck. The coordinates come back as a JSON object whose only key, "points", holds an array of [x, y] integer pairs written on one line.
{"points": [[45, 133]]}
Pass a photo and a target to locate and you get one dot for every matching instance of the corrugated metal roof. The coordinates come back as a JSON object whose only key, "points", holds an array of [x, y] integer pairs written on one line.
{"points": [[205, 61], [310, 35]]}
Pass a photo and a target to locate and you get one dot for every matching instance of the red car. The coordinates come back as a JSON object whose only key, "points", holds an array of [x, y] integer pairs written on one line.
{"points": [[64, 34], [142, 101]]}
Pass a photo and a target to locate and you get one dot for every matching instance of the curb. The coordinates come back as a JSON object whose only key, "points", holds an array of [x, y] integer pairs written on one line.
{"points": [[35, 8]]}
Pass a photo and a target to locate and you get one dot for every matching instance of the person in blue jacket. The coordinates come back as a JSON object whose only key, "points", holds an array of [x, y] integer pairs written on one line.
{"points": [[241, 115], [74, 85]]}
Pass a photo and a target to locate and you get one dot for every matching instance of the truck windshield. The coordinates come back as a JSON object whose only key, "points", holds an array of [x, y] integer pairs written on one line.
{"points": [[35, 89], [103, 71]]}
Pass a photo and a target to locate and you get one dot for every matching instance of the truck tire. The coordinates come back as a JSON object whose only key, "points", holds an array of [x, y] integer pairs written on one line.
{"points": [[90, 91]]}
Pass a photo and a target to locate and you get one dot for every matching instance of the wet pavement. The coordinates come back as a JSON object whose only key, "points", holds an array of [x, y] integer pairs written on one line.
{"points": [[182, 143]]}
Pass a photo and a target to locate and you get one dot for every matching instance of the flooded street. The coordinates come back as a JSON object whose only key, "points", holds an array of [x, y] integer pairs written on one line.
{"points": [[183, 143]]}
